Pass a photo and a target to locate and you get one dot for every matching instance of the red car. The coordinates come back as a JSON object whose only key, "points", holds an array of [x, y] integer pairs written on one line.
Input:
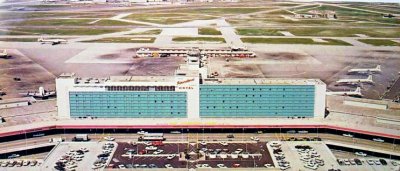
{"points": [[142, 152], [157, 143], [236, 165]]}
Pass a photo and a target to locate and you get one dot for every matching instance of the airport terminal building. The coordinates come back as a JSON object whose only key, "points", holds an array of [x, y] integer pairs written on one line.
{"points": [[190, 93], [188, 97]]}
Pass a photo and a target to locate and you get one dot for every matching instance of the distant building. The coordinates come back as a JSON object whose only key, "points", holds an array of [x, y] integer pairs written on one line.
{"points": [[187, 94], [328, 14], [16, 102]]}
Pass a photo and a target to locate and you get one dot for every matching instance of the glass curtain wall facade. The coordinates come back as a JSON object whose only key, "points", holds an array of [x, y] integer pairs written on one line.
{"points": [[256, 101], [128, 104]]}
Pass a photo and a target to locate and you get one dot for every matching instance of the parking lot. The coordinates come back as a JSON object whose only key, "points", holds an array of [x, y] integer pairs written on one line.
{"points": [[68, 151], [296, 160], [351, 161], [205, 154]]}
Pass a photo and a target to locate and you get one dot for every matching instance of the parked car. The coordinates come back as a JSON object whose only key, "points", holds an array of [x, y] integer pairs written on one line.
{"points": [[348, 135], [370, 162], [383, 162], [377, 162], [169, 166], [203, 143], [358, 161], [224, 143], [159, 151], [142, 132], [255, 138], [13, 156], [109, 138], [221, 165], [121, 166], [378, 140], [151, 148], [362, 154], [171, 156]]}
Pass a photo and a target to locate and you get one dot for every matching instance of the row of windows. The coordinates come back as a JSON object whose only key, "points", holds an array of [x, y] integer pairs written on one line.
{"points": [[257, 107], [246, 102], [266, 94], [131, 115], [140, 88], [161, 102], [269, 90], [128, 104]]}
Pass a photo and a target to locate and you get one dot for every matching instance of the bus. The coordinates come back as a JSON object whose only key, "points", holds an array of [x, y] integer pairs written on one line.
{"points": [[152, 137]]}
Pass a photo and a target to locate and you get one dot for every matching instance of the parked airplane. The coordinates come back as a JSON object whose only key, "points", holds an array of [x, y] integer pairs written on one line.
{"points": [[52, 41], [356, 93], [44, 94], [366, 70], [356, 80], [4, 54]]}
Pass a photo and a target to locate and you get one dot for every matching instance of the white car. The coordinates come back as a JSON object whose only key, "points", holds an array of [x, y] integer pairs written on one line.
{"points": [[255, 138], [151, 148], [109, 138], [147, 143], [221, 166], [348, 135], [352, 162], [121, 166], [171, 156], [142, 132], [224, 143], [203, 143], [169, 166], [84, 149], [238, 151], [159, 151], [205, 166], [378, 140], [268, 165], [370, 162], [362, 154]]}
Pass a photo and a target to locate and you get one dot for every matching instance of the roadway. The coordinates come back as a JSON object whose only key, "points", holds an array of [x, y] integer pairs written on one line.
{"points": [[185, 138]]}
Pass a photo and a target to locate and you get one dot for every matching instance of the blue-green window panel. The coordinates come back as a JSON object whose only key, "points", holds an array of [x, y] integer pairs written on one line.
{"points": [[256, 100], [128, 104]]}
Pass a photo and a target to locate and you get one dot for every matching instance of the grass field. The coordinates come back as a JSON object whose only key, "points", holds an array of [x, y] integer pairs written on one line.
{"points": [[224, 11], [258, 32], [294, 41], [325, 32], [106, 22], [280, 12], [74, 22], [48, 6], [80, 31], [167, 18], [18, 39], [55, 22], [123, 40], [149, 32], [209, 31], [198, 39], [379, 42]]}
